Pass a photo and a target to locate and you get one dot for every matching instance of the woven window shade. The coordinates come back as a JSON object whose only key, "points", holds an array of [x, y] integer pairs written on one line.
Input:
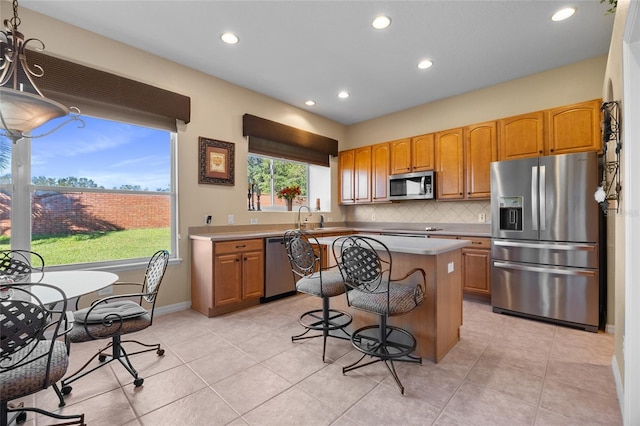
{"points": [[267, 137], [96, 92]]}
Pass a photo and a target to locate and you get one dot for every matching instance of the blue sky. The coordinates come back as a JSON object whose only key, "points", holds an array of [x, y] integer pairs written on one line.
{"points": [[110, 153]]}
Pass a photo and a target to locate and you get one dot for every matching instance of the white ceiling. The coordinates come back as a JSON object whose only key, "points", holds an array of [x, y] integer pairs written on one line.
{"points": [[299, 50]]}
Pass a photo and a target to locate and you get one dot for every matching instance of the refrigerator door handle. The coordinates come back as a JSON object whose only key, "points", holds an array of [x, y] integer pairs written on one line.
{"points": [[543, 199], [568, 247], [534, 198], [518, 267]]}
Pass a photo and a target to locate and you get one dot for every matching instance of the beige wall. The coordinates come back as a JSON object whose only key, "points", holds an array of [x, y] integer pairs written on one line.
{"points": [[562, 86]]}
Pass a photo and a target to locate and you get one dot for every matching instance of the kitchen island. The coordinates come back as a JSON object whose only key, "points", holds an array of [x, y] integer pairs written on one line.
{"points": [[436, 322]]}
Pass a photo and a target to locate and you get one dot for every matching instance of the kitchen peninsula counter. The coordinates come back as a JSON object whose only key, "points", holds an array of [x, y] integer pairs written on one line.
{"points": [[436, 322]]}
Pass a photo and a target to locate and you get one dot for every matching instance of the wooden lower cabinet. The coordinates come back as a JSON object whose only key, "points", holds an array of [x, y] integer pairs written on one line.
{"points": [[226, 276], [476, 265]]}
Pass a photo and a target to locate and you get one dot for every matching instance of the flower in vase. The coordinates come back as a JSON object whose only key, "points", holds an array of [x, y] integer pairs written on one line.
{"points": [[289, 192]]}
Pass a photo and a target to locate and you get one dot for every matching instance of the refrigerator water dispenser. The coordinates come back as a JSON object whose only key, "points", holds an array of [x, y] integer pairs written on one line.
{"points": [[510, 213]]}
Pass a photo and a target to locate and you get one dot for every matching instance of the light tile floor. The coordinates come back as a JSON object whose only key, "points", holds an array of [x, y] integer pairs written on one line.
{"points": [[242, 368]]}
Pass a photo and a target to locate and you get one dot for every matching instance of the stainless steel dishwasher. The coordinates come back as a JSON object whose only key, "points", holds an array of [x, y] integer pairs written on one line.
{"points": [[278, 278]]}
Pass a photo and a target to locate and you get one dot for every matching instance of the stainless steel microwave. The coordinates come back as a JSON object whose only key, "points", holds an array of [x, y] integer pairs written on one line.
{"points": [[412, 186]]}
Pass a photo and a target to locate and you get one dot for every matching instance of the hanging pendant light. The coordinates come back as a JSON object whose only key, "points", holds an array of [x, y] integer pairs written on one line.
{"points": [[22, 106]]}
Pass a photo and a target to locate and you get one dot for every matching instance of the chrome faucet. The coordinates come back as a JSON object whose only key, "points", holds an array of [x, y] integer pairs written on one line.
{"points": [[299, 224]]}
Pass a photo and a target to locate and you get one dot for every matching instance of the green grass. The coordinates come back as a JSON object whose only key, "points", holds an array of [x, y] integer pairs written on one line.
{"points": [[98, 246]]}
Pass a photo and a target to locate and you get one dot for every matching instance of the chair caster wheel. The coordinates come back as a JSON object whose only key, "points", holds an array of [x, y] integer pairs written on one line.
{"points": [[66, 390], [102, 358], [160, 352], [138, 382], [22, 417]]}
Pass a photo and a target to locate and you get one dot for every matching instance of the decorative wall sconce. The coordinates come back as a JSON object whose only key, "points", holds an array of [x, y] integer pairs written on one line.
{"points": [[610, 188]]}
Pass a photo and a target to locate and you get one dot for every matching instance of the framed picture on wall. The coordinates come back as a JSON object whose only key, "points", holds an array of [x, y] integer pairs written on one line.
{"points": [[217, 162]]}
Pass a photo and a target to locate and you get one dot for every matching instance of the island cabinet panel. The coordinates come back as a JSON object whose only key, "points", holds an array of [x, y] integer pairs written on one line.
{"points": [[226, 276], [521, 136], [449, 164], [480, 149], [476, 264], [436, 322], [380, 154], [346, 176], [575, 128]]}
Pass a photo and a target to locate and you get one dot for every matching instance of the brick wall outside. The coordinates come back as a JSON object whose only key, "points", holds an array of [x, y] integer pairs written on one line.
{"points": [[55, 213]]}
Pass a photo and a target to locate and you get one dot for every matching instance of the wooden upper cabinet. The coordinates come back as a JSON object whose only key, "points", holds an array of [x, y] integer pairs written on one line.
{"points": [[422, 150], [575, 128], [400, 156], [414, 154], [521, 136], [362, 174], [449, 164], [480, 149], [346, 176], [380, 160]]}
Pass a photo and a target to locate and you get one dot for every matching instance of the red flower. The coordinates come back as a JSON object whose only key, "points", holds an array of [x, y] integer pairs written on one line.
{"points": [[289, 192]]}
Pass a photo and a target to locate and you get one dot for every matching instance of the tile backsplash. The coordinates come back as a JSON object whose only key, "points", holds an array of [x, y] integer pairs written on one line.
{"points": [[421, 211]]}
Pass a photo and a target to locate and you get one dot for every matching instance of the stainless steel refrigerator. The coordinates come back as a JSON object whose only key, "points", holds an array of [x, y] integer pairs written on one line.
{"points": [[545, 239]]}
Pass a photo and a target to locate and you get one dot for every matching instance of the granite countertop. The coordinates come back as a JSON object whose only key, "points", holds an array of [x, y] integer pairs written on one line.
{"points": [[410, 229], [411, 245]]}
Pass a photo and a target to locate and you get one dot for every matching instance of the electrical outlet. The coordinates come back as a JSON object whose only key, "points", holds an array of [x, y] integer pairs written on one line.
{"points": [[482, 218], [450, 267], [373, 217], [253, 221], [230, 219], [207, 219]]}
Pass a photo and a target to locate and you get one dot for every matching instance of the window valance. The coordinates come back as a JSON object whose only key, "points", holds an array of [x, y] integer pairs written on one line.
{"points": [[270, 138], [85, 87]]}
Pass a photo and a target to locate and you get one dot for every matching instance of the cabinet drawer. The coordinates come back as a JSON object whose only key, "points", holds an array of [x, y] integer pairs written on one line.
{"points": [[238, 246]]}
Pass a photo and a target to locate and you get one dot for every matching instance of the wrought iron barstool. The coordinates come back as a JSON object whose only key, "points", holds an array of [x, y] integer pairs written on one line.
{"points": [[365, 264], [34, 350], [304, 254], [115, 316]]}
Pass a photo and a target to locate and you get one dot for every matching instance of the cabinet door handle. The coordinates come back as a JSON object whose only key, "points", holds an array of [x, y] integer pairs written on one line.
{"points": [[476, 242]]}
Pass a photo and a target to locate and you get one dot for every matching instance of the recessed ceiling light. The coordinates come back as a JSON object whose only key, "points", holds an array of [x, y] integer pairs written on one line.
{"points": [[424, 64], [563, 14], [343, 95], [381, 22], [229, 38], [309, 102]]}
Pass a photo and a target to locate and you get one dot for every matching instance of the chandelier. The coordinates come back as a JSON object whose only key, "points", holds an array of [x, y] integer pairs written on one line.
{"points": [[22, 106]]}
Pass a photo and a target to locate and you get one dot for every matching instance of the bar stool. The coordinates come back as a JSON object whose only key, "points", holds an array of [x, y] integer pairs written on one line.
{"points": [[365, 264], [304, 252]]}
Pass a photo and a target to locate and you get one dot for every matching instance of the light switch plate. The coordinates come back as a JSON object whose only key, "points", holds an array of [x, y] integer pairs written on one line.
{"points": [[450, 267]]}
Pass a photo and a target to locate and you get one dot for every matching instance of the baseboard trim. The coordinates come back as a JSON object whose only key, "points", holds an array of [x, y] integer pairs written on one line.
{"points": [[617, 379], [169, 309]]}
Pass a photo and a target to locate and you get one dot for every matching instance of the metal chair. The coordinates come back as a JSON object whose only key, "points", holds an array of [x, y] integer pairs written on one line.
{"points": [[19, 264], [366, 266], [115, 316], [304, 254], [34, 351]]}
